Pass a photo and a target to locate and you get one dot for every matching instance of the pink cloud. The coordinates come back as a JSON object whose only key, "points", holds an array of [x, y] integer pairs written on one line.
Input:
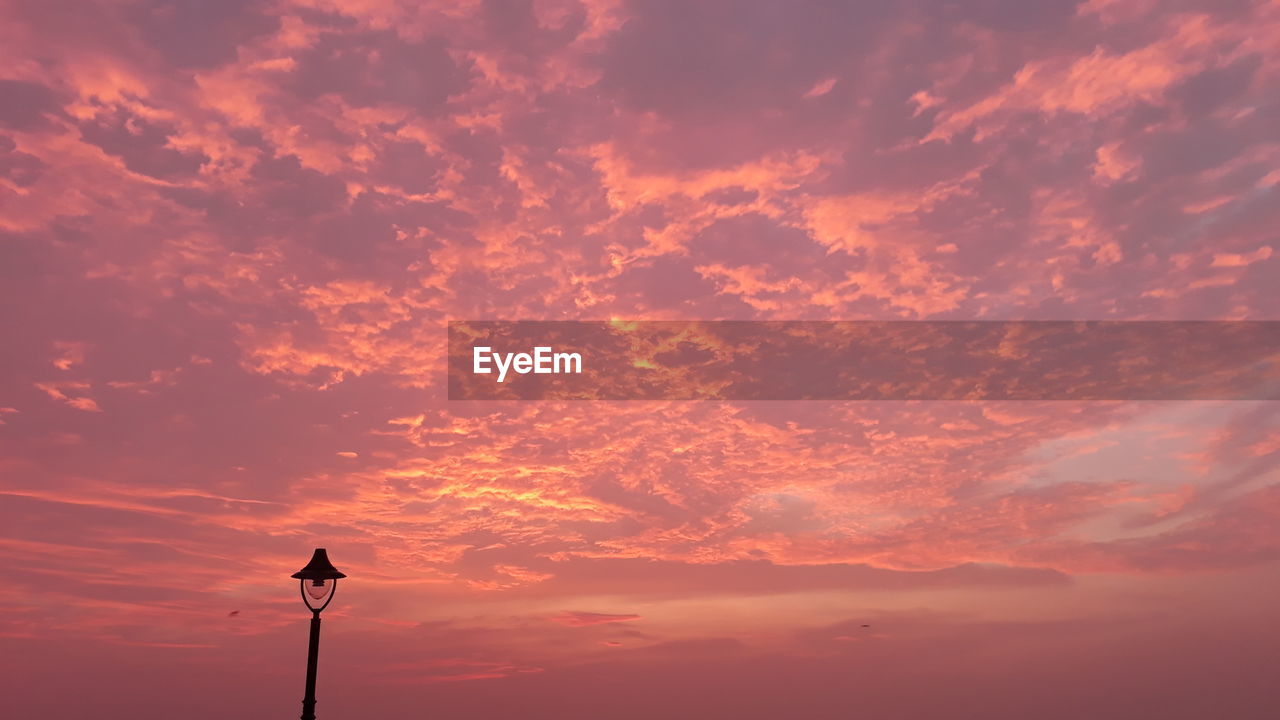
{"points": [[585, 619]]}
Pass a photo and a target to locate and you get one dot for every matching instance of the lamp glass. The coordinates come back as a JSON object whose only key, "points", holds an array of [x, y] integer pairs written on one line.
{"points": [[317, 589], [316, 592]]}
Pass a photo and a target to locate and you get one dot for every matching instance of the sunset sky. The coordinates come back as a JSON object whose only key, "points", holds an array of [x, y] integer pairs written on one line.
{"points": [[233, 233]]}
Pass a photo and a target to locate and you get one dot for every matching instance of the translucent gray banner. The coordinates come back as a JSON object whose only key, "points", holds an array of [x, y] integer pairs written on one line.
{"points": [[855, 360]]}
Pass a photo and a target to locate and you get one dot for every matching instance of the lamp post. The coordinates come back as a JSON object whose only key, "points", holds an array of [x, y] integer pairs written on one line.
{"points": [[318, 579]]}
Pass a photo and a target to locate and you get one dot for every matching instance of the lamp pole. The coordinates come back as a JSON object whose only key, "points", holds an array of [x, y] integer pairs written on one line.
{"points": [[319, 580], [313, 654]]}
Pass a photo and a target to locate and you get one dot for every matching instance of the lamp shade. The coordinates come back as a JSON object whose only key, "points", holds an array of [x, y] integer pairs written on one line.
{"points": [[319, 568]]}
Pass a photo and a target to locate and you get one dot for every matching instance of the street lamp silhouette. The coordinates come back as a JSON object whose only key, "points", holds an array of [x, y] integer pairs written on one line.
{"points": [[318, 579]]}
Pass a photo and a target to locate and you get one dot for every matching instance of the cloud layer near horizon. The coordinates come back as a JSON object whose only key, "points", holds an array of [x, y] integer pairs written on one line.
{"points": [[232, 233]]}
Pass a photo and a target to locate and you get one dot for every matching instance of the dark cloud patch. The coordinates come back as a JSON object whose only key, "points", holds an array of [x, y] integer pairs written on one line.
{"points": [[371, 68], [562, 119], [782, 513], [506, 18], [1009, 15], [198, 34], [731, 196], [142, 145], [664, 283], [734, 81], [723, 57], [640, 499], [1176, 151], [23, 258], [249, 137], [1206, 91], [1142, 115], [292, 190], [359, 234], [239, 226], [1186, 164], [27, 106], [481, 149], [22, 169], [282, 198], [757, 240], [408, 166], [488, 295], [514, 27], [729, 78], [576, 194], [910, 166]]}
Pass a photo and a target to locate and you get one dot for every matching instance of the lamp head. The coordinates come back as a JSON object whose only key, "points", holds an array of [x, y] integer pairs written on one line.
{"points": [[319, 568], [319, 579]]}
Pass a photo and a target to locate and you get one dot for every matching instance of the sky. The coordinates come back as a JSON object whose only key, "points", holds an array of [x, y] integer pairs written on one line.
{"points": [[232, 235]]}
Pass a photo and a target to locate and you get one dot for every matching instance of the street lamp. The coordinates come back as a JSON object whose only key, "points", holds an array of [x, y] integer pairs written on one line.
{"points": [[318, 581]]}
